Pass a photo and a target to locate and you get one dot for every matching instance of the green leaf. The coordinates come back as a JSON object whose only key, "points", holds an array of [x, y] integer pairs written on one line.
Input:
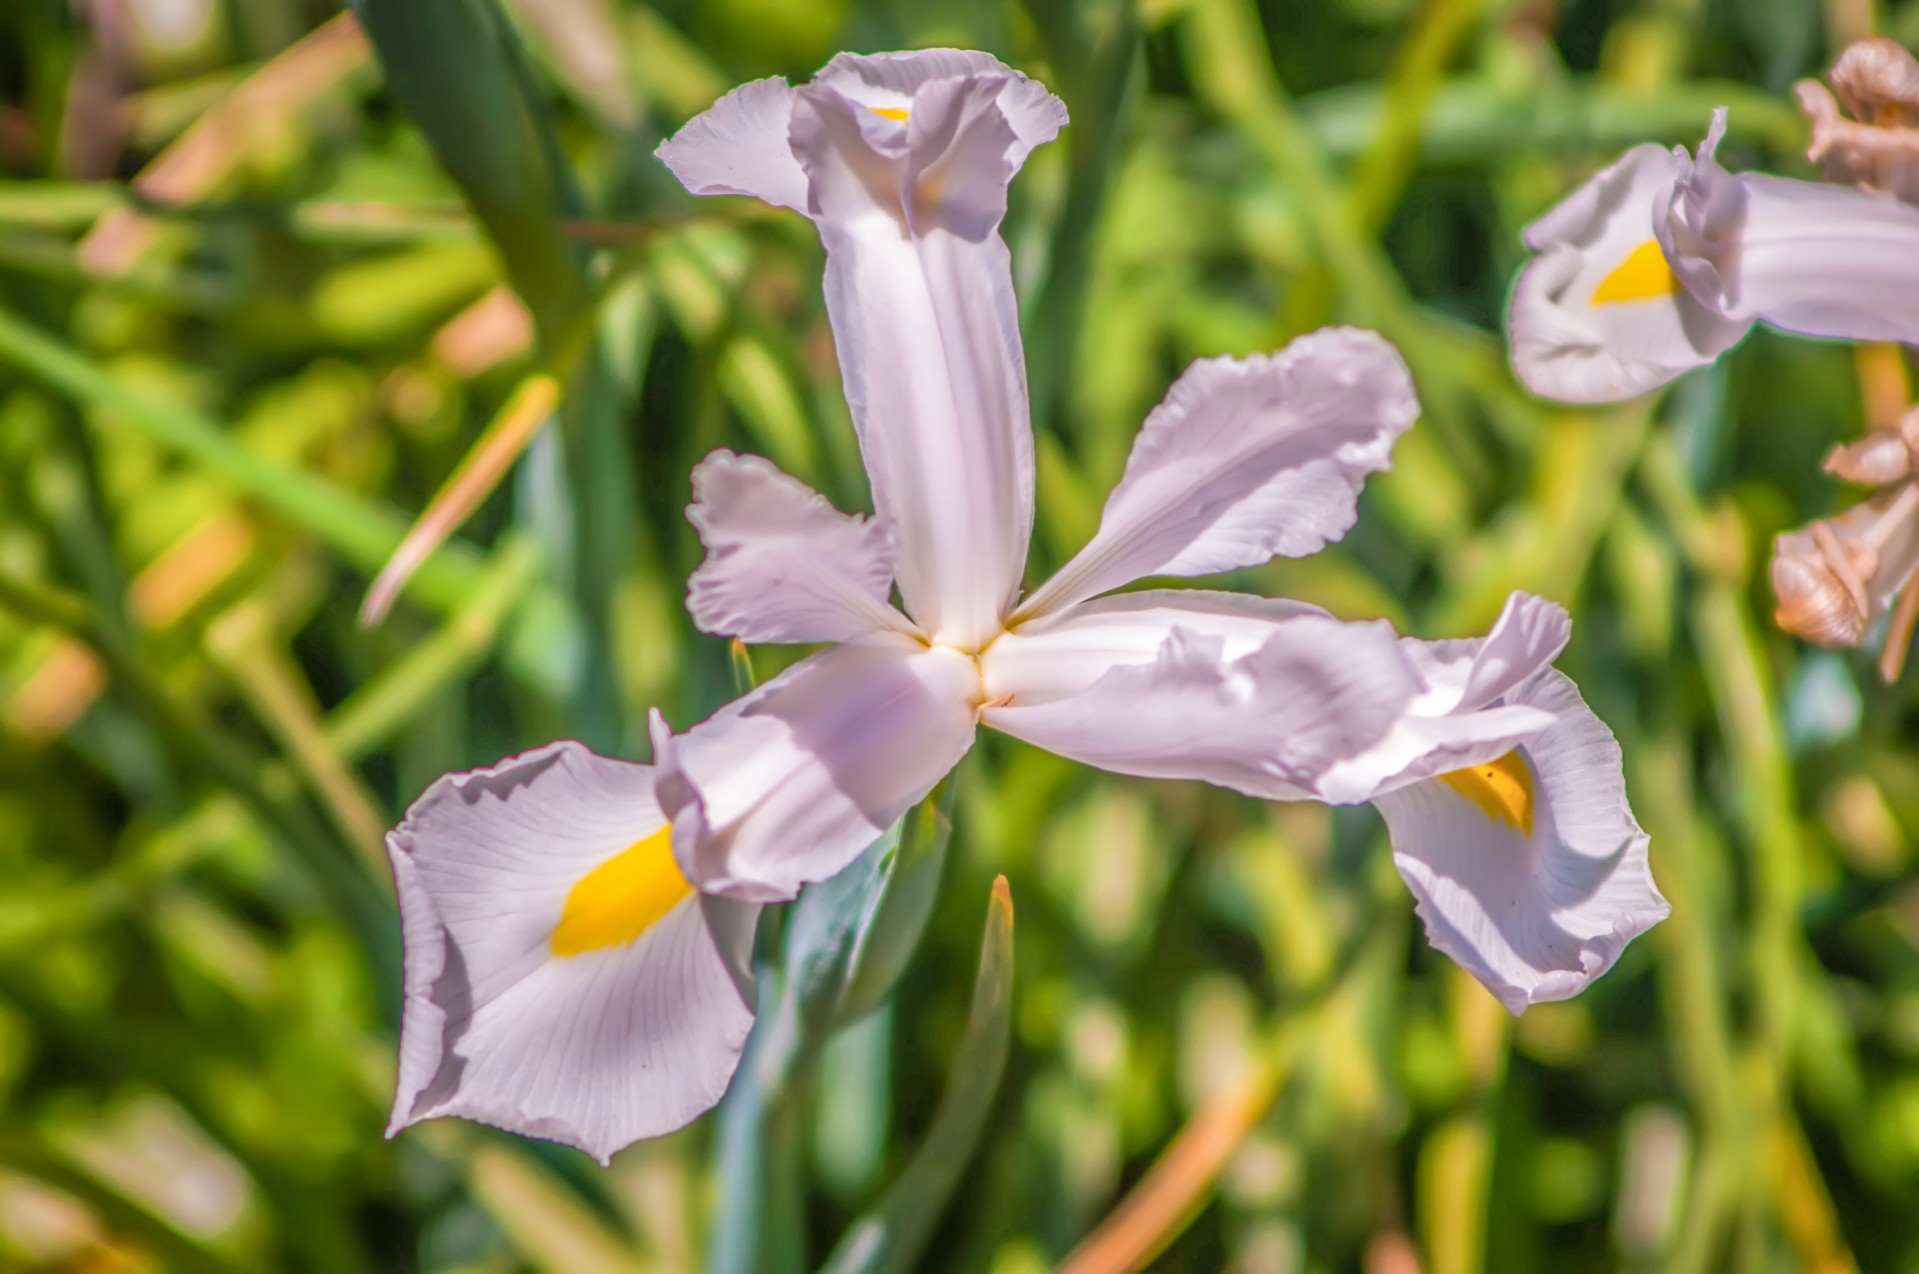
{"points": [[896, 911], [361, 531], [847, 941], [456, 69], [761, 1230], [893, 1235], [849, 938]]}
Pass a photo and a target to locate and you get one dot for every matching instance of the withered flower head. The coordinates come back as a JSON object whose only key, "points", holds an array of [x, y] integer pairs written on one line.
{"points": [[1883, 456], [1836, 577], [1877, 80]]}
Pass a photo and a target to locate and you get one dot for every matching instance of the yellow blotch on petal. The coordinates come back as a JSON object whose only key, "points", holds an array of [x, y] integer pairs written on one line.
{"points": [[622, 898], [1642, 276], [1502, 789], [891, 112]]}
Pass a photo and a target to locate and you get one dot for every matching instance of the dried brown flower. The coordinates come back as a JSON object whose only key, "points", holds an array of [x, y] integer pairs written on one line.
{"points": [[1877, 80]]}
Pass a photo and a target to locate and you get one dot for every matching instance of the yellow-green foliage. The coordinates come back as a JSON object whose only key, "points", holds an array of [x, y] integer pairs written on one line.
{"points": [[225, 392]]}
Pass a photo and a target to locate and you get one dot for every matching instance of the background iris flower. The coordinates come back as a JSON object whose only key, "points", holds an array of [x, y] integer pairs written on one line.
{"points": [[1663, 261]]}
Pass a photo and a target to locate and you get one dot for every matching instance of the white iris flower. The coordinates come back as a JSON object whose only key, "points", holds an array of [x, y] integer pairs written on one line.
{"points": [[578, 929], [1663, 261]]}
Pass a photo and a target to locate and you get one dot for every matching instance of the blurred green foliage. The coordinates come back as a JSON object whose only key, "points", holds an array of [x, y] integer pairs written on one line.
{"points": [[254, 309]]}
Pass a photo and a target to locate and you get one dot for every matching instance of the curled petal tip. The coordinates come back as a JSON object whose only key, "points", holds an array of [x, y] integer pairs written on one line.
{"points": [[1821, 110]]}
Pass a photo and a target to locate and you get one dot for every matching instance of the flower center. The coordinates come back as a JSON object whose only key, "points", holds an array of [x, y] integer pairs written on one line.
{"points": [[622, 898], [1502, 789], [947, 650]]}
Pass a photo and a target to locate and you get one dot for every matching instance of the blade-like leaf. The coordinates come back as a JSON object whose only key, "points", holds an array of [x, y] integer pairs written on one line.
{"points": [[847, 941], [456, 69], [850, 938], [893, 1235], [361, 531], [895, 914]]}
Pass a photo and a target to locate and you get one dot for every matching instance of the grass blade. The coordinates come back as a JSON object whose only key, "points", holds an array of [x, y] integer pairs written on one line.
{"points": [[363, 533], [894, 1234], [455, 68]]}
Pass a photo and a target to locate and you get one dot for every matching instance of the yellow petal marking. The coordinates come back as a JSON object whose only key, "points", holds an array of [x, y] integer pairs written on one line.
{"points": [[622, 898], [891, 112], [1502, 789], [1642, 276]]}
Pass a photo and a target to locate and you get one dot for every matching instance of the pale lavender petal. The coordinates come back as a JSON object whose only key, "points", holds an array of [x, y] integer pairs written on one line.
{"points": [[1267, 723], [782, 565], [595, 1049], [1534, 915], [920, 293], [903, 160], [1826, 260], [1246, 459], [960, 146], [1527, 637], [788, 784], [1810, 257], [1062, 654], [1463, 714], [894, 80], [1597, 315], [1420, 746], [738, 146]]}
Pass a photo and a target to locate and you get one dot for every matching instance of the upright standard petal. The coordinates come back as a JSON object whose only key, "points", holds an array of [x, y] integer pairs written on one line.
{"points": [[1309, 692], [1809, 257], [1598, 315], [788, 784], [738, 146], [889, 83], [563, 980], [1465, 676], [1530, 871], [908, 183], [1245, 460], [782, 565]]}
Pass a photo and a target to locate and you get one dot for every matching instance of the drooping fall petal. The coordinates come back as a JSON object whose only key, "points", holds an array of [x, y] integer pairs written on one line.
{"points": [[563, 980], [1598, 315], [1531, 873]]}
